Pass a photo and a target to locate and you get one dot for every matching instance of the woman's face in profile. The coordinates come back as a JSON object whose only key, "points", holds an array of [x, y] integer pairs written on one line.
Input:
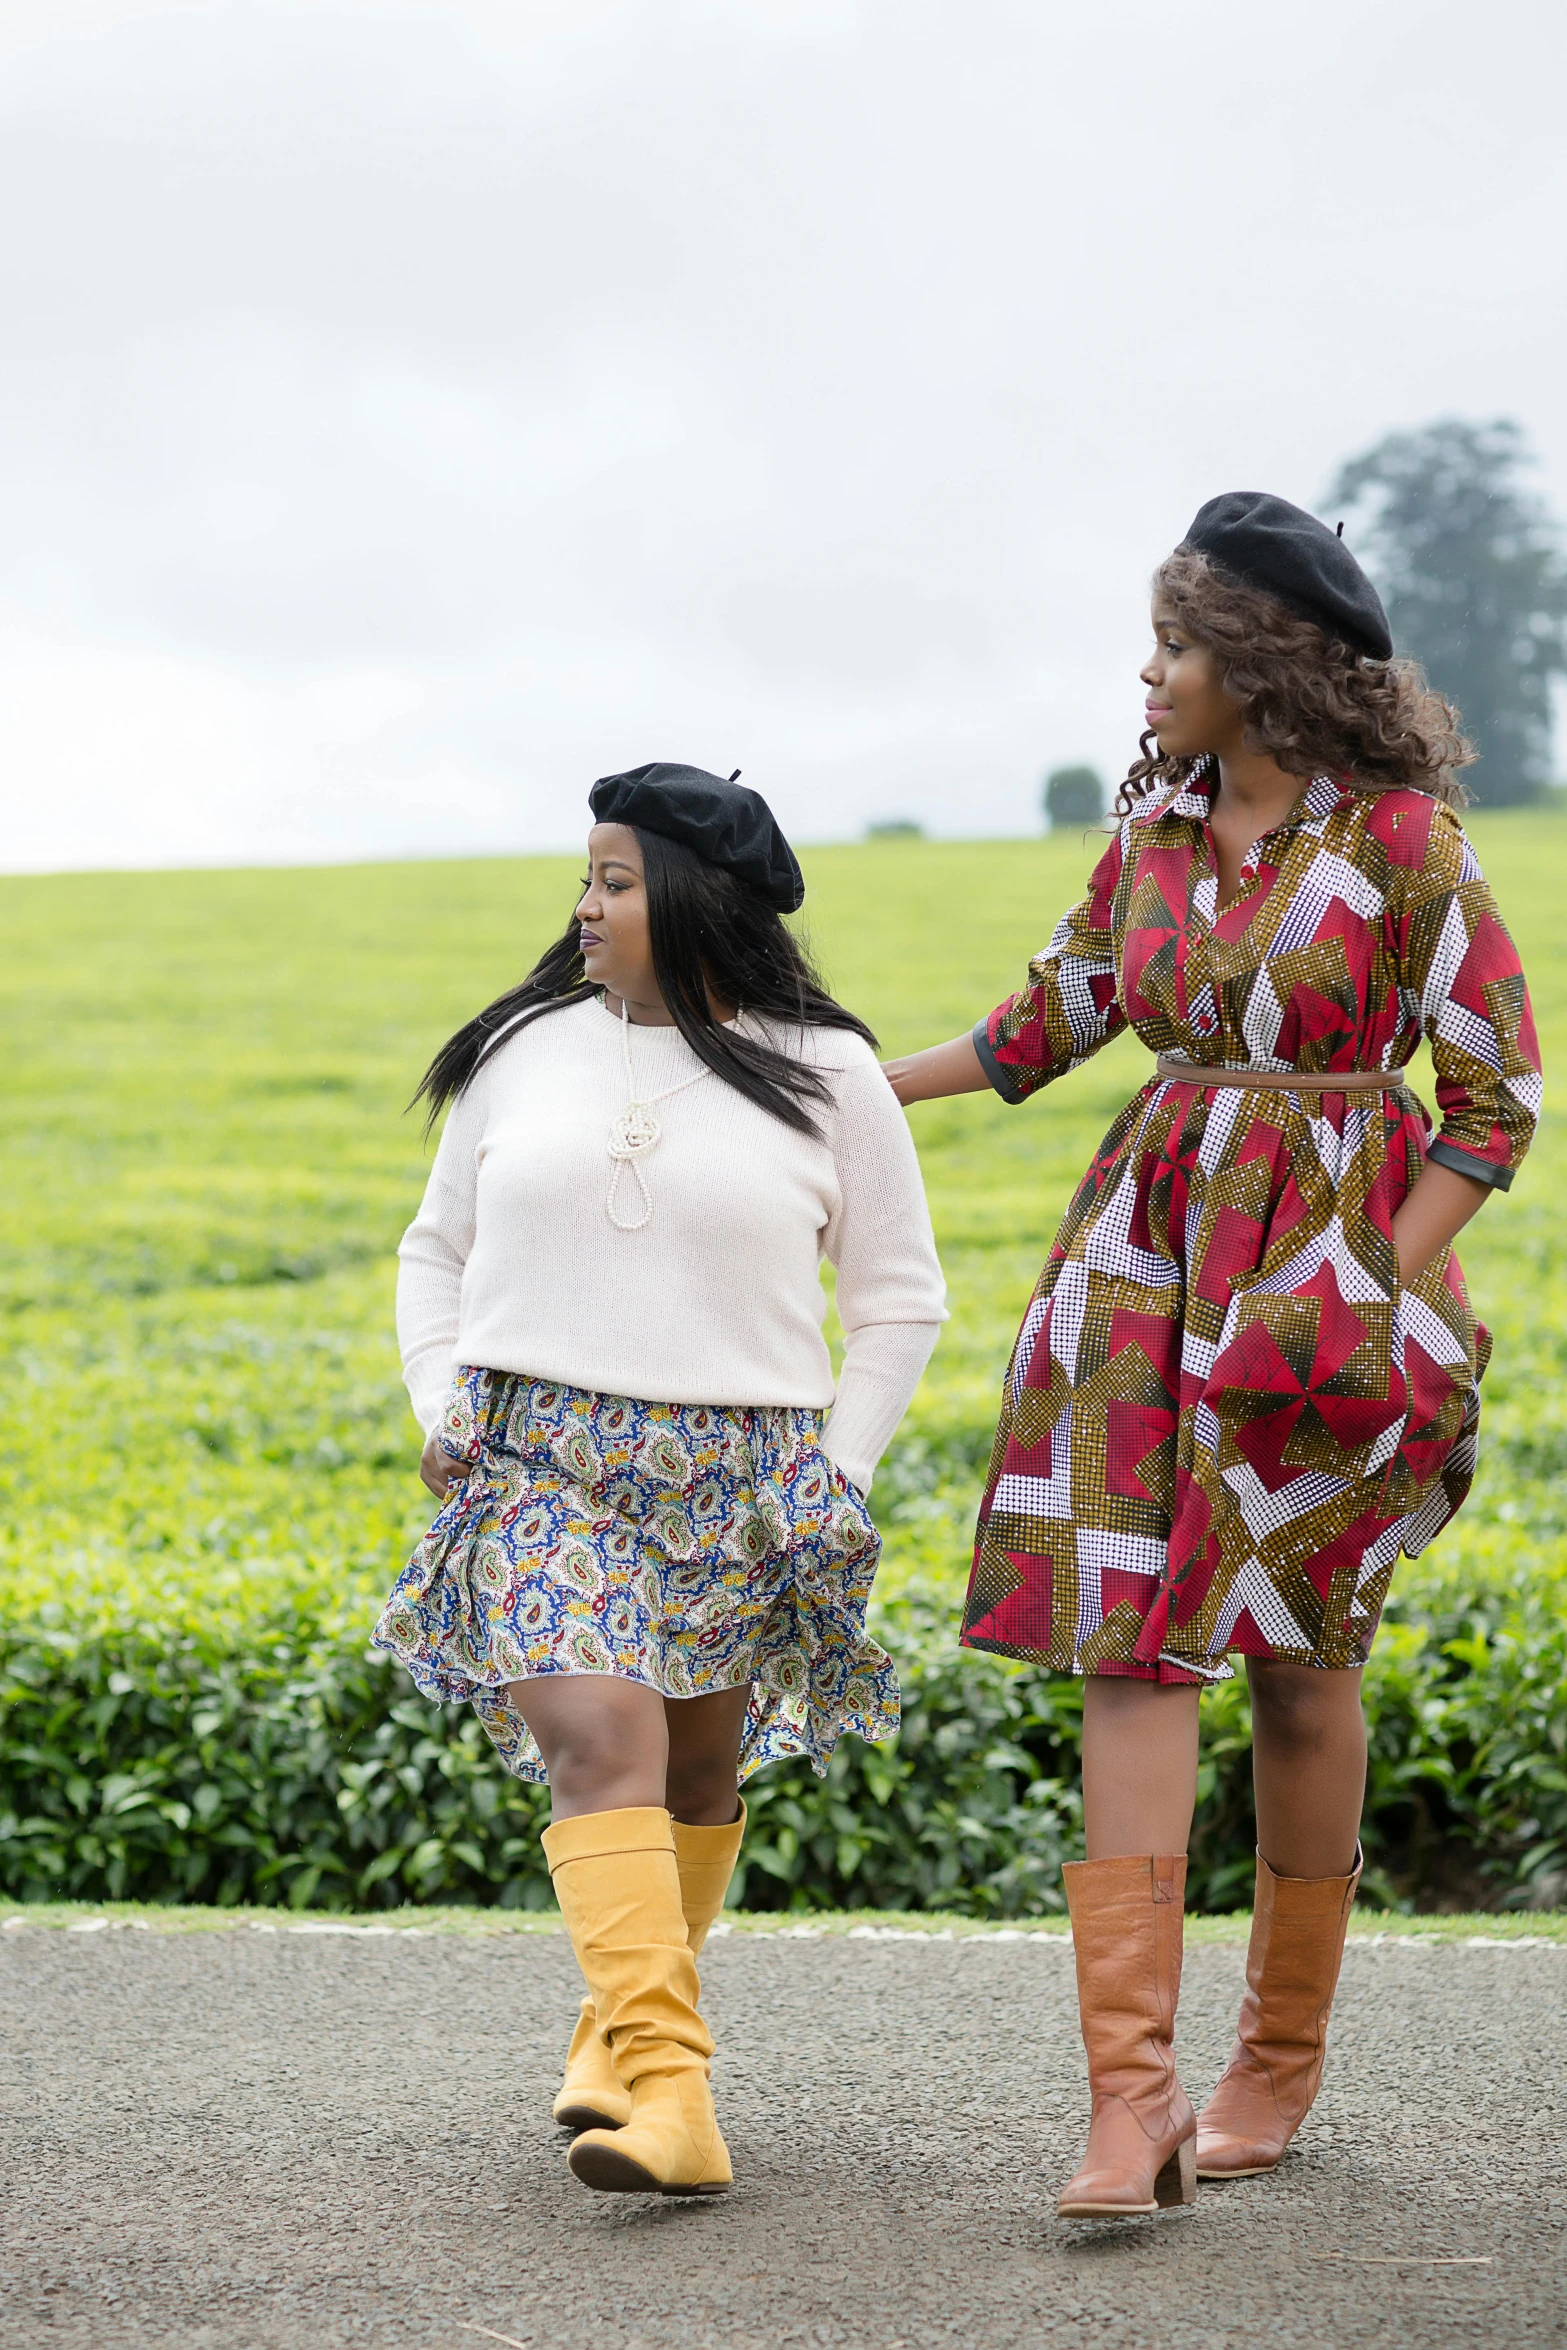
{"points": [[612, 916], [1188, 710]]}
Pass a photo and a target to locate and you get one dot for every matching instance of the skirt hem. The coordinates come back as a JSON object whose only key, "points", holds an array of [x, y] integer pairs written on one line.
{"points": [[438, 1684]]}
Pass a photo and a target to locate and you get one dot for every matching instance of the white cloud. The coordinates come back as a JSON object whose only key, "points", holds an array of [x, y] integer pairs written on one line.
{"points": [[408, 412]]}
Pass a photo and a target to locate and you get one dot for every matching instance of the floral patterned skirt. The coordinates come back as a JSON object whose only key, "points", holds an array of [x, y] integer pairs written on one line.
{"points": [[691, 1547]]}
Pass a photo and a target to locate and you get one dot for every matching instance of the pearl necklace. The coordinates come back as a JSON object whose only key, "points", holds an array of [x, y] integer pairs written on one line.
{"points": [[634, 1132]]}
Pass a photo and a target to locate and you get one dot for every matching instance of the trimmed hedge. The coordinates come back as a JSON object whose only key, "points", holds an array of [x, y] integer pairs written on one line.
{"points": [[280, 1762]]}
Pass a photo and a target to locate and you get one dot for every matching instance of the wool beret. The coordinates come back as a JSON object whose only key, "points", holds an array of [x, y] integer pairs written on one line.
{"points": [[1271, 544], [726, 824]]}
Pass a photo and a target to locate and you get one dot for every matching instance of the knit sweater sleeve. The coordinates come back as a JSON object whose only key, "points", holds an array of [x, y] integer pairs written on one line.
{"points": [[431, 1257], [891, 1295]]}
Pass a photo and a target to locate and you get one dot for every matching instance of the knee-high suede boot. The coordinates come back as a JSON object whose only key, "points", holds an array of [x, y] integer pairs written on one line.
{"points": [[1127, 1918], [618, 1886], [592, 2095], [1266, 2090]]}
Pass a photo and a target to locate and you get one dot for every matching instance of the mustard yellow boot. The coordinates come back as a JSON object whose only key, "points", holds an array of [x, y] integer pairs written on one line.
{"points": [[592, 2095], [706, 1859], [618, 1885]]}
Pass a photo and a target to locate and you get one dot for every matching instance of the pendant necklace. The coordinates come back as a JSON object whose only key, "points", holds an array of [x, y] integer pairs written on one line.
{"points": [[634, 1132]]}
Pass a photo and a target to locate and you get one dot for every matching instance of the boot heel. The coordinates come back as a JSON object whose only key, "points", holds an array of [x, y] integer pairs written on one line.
{"points": [[1177, 2182]]}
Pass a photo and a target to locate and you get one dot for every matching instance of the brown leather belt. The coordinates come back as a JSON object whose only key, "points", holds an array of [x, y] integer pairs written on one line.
{"points": [[1283, 1080]]}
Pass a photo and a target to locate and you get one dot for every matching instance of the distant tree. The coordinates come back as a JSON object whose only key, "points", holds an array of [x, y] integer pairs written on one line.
{"points": [[895, 828], [1469, 563], [1073, 795]]}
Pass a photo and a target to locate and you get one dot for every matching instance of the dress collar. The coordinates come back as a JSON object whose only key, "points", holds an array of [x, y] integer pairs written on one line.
{"points": [[1322, 795], [1195, 796]]}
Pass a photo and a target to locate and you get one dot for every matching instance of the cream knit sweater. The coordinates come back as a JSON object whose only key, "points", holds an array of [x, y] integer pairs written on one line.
{"points": [[513, 1261]]}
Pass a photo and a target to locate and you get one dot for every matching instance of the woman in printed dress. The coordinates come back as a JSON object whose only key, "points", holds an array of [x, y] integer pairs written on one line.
{"points": [[650, 1569], [1248, 1380]]}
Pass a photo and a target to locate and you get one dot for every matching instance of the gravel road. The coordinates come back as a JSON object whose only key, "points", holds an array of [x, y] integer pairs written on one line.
{"points": [[281, 2141]]}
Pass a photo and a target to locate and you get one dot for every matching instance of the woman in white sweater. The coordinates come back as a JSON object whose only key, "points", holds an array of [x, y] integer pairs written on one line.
{"points": [[651, 1565]]}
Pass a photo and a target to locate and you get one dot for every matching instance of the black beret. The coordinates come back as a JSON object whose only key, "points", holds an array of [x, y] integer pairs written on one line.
{"points": [[1271, 544], [725, 823]]}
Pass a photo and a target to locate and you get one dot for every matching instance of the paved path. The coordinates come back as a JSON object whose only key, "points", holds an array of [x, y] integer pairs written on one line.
{"points": [[248, 2141]]}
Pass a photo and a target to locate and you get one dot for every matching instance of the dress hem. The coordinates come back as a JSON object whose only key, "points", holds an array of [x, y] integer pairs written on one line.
{"points": [[1172, 1672]]}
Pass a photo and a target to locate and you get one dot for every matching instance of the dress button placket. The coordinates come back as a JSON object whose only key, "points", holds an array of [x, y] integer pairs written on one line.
{"points": [[1202, 1014]]}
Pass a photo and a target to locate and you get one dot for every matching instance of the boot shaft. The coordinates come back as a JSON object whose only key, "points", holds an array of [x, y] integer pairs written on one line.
{"points": [[1293, 1959], [706, 1858], [1127, 1920], [618, 1885]]}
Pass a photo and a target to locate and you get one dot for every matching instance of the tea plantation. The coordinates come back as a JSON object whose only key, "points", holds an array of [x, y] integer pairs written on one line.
{"points": [[207, 1473]]}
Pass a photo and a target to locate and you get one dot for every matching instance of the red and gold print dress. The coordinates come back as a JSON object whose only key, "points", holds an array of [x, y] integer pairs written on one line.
{"points": [[1225, 1415]]}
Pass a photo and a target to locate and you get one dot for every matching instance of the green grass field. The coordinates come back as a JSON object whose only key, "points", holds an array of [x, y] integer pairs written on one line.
{"points": [[205, 1168]]}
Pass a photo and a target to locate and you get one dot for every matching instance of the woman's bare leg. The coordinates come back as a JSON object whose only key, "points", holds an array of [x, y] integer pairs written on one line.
{"points": [[604, 1742], [702, 1787], [1308, 1760], [1139, 1766]]}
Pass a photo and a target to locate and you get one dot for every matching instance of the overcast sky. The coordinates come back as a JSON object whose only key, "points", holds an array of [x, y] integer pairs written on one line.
{"points": [[411, 411]]}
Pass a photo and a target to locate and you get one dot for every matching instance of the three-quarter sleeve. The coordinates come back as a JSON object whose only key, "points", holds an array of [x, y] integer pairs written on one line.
{"points": [[1070, 1007], [431, 1257], [1462, 981], [891, 1295]]}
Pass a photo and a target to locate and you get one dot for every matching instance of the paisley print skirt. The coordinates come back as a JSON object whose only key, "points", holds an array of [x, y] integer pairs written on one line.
{"points": [[691, 1547]]}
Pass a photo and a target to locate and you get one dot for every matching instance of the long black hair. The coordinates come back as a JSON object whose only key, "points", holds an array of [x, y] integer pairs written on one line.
{"points": [[707, 929]]}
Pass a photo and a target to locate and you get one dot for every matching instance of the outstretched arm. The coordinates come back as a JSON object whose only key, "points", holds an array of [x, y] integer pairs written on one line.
{"points": [[1068, 1009], [939, 1070]]}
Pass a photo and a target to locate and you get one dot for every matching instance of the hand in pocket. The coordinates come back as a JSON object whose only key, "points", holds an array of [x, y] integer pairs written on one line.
{"points": [[439, 1470]]}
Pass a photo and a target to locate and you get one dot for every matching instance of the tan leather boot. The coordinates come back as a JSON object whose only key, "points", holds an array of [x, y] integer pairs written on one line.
{"points": [[1127, 1918], [592, 2095], [618, 1887], [1266, 2090]]}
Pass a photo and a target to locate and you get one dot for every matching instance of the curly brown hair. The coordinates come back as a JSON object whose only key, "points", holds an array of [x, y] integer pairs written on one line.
{"points": [[1309, 702]]}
